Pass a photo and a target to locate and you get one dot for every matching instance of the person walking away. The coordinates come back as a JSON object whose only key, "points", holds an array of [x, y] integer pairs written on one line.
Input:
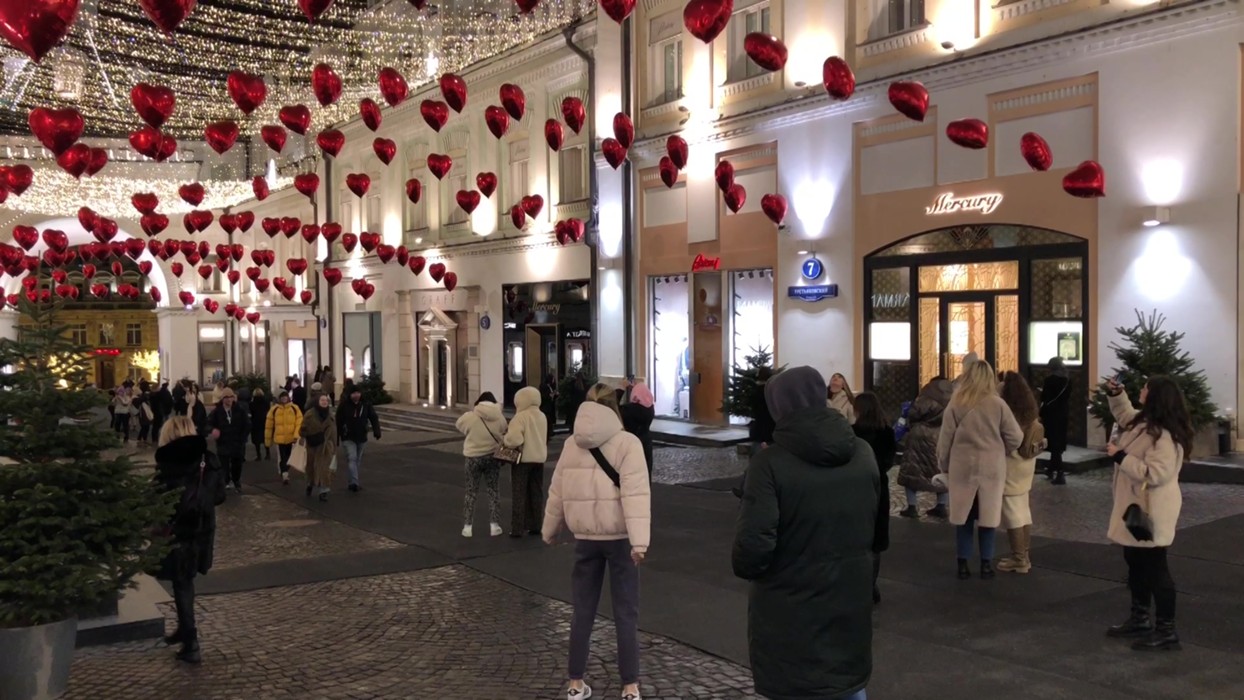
{"points": [[298, 394], [328, 382], [184, 463], [1020, 467], [231, 428], [258, 410], [804, 540], [161, 408], [840, 398], [483, 428], [347, 388], [320, 431], [548, 402], [529, 431], [577, 395], [978, 432], [1148, 454], [354, 415], [638, 413], [282, 428], [872, 426], [146, 415], [1055, 416], [601, 494], [243, 392], [919, 465]]}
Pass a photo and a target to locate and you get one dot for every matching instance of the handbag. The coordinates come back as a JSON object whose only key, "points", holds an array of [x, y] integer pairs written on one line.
{"points": [[606, 467], [298, 457], [1137, 521], [512, 455]]}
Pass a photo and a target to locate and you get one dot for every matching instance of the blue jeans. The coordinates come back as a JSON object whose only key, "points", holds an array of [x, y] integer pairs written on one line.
{"points": [[963, 537], [354, 455], [862, 695], [942, 498]]}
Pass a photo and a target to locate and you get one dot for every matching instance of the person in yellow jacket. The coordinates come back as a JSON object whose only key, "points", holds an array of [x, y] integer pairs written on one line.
{"points": [[284, 422]]}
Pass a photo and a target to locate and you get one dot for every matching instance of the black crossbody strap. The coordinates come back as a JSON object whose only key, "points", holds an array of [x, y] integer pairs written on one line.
{"points": [[607, 467]]}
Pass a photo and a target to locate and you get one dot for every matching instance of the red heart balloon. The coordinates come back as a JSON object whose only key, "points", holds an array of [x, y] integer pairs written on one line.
{"points": [[497, 120], [1036, 152], [367, 290], [349, 241], [178, 268], [332, 275], [436, 271], [358, 183], [618, 10], [76, 160], [205, 271], [307, 183], [838, 78], [554, 136], [261, 285], [154, 224], [623, 129], [574, 113], [154, 103], [435, 113], [253, 316], [234, 277], [274, 135], [246, 219], [487, 183], [88, 218], [271, 225], [88, 271], [100, 290], [66, 290], [526, 6], [676, 148], [705, 19], [229, 223], [576, 229], [99, 159], [416, 263], [518, 216], [296, 265], [296, 118], [910, 98], [331, 141], [440, 165], [735, 197], [306, 296], [168, 14], [669, 171], [17, 178], [56, 129], [188, 247], [532, 204], [60, 276], [385, 252], [145, 202], [313, 9], [369, 241], [186, 297], [385, 149], [59, 242], [105, 229], [774, 207], [514, 100], [168, 146], [279, 283], [192, 193], [230, 307], [561, 232], [255, 273], [201, 218], [1088, 180], [260, 187], [454, 89], [248, 91], [414, 190], [211, 305], [614, 152], [370, 111], [393, 86], [326, 84], [239, 313], [144, 266], [222, 250], [187, 222], [451, 281], [765, 50], [403, 255], [724, 175], [310, 232], [221, 135], [34, 27], [290, 226], [969, 133], [468, 200]]}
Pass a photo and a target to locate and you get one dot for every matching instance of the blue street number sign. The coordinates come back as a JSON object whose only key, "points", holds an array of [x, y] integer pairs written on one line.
{"points": [[815, 292], [813, 269]]}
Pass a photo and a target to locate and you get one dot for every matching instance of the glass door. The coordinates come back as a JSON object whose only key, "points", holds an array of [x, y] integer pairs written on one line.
{"points": [[967, 330], [954, 325]]}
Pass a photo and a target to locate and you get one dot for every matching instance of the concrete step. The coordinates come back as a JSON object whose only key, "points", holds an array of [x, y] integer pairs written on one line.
{"points": [[136, 616]]}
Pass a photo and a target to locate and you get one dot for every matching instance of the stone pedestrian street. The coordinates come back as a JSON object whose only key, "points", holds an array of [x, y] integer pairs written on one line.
{"points": [[376, 595]]}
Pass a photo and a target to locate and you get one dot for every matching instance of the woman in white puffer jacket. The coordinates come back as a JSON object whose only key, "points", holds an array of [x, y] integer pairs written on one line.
{"points": [[611, 523], [529, 431]]}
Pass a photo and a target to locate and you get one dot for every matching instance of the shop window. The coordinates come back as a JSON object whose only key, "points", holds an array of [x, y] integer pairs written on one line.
{"points": [[514, 362], [892, 17], [751, 315], [572, 174], [1057, 289], [134, 335], [969, 277], [665, 71], [669, 345], [211, 353], [747, 21], [889, 338], [77, 334]]}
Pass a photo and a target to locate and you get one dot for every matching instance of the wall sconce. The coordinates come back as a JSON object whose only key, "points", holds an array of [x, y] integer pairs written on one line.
{"points": [[948, 45], [1155, 216]]}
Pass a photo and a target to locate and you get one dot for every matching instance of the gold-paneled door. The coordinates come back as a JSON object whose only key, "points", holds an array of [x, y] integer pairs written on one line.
{"points": [[954, 325]]}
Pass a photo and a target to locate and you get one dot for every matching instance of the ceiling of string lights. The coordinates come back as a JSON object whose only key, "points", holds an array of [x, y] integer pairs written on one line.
{"points": [[114, 45]]}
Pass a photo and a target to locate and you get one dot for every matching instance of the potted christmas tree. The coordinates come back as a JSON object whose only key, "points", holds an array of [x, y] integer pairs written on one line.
{"points": [[744, 389], [75, 525]]}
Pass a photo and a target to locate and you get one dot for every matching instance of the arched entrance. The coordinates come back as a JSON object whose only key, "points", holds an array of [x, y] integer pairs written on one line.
{"points": [[1016, 296]]}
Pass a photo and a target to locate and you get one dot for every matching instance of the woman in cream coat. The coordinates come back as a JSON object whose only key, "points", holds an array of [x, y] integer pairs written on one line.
{"points": [[1021, 465], [611, 524], [840, 398], [1148, 455], [528, 430]]}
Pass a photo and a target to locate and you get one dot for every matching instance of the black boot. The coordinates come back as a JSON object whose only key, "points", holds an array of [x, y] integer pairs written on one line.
{"points": [[1163, 638], [174, 638], [964, 571], [987, 571], [1136, 625], [1060, 478], [190, 652], [909, 512]]}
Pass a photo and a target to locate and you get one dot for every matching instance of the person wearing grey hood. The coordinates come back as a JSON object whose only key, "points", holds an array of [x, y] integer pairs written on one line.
{"points": [[1055, 416], [804, 540]]}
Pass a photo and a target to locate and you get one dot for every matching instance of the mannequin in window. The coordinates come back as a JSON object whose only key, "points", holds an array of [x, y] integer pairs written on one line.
{"points": [[683, 379]]}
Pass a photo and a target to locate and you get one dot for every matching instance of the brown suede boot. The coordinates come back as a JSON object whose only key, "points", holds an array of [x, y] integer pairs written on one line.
{"points": [[1018, 561]]}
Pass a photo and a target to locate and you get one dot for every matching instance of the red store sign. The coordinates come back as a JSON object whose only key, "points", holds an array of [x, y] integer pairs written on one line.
{"points": [[703, 262]]}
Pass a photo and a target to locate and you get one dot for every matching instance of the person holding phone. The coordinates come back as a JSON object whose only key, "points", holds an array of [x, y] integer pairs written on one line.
{"points": [[1148, 453]]}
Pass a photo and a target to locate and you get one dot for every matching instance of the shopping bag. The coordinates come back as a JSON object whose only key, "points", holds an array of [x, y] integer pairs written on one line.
{"points": [[298, 458]]}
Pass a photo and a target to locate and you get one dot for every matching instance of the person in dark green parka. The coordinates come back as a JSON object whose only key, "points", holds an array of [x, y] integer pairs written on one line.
{"points": [[804, 539]]}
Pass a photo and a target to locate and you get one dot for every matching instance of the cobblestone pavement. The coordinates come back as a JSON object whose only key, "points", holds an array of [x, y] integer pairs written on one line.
{"points": [[684, 465], [440, 633], [257, 528]]}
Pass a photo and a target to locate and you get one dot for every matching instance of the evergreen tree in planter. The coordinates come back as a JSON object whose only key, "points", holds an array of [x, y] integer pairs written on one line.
{"points": [[75, 527], [743, 388], [372, 388], [1148, 350]]}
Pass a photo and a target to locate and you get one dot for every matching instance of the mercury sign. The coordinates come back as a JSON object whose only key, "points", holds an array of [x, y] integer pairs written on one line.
{"points": [[948, 203]]}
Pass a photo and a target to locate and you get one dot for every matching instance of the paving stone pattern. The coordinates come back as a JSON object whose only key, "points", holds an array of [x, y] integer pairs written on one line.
{"points": [[440, 633]]}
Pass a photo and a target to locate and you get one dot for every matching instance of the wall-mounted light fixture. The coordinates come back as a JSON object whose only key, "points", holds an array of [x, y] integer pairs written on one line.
{"points": [[1155, 216], [948, 45]]}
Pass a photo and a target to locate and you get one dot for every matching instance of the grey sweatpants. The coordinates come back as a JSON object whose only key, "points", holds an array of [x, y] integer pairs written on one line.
{"points": [[591, 557]]}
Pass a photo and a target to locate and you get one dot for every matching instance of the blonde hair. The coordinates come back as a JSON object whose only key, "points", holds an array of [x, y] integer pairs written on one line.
{"points": [[977, 384], [176, 428], [605, 395]]}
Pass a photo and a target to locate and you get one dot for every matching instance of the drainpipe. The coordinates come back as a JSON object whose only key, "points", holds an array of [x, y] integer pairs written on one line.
{"points": [[593, 224]]}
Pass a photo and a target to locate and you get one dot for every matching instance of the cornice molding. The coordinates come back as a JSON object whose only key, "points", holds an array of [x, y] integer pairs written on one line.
{"points": [[515, 244]]}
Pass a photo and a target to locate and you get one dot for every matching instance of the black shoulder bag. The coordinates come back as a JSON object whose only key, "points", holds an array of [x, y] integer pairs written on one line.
{"points": [[606, 467]]}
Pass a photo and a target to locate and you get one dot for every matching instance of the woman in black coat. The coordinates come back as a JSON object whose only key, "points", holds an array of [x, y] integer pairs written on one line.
{"points": [[638, 413], [872, 427], [184, 463], [1055, 416], [259, 407]]}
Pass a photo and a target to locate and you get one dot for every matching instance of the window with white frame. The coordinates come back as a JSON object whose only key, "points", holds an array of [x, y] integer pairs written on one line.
{"points": [[665, 58], [750, 19], [77, 334], [373, 211], [519, 182], [892, 17], [417, 212], [213, 283], [572, 174], [134, 334], [454, 182], [516, 181]]}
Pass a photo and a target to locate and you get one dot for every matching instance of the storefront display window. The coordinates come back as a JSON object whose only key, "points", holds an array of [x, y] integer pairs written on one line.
{"points": [[671, 348], [211, 353], [752, 315], [362, 334], [969, 277]]}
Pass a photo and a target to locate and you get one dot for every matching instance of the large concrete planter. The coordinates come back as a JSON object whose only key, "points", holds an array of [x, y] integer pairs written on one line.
{"points": [[36, 660]]}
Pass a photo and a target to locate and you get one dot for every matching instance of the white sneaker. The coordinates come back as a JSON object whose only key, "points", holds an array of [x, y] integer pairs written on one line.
{"points": [[631, 696], [495, 529], [579, 694], [285, 478], [467, 530]]}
